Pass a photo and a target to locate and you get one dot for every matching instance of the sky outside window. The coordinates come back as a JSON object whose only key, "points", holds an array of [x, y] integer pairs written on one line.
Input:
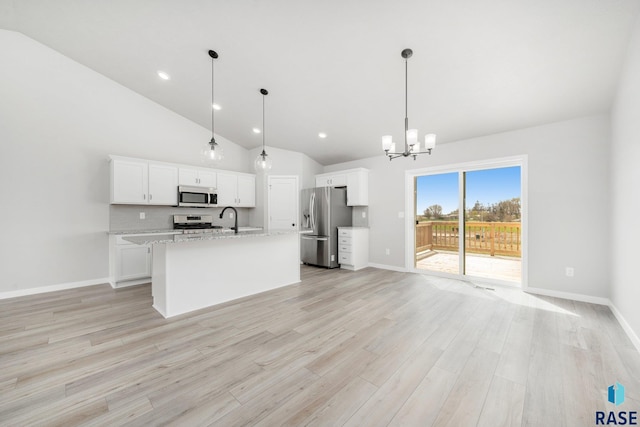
{"points": [[487, 186]]}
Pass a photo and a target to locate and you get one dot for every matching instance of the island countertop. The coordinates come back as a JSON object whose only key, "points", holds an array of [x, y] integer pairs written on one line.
{"points": [[180, 238]]}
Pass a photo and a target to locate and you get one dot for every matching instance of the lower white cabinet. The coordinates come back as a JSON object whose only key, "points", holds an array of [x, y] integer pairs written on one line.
{"points": [[134, 262], [130, 264], [353, 247]]}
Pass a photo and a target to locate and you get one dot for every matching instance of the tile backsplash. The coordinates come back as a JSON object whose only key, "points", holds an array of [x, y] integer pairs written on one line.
{"points": [[127, 217]]}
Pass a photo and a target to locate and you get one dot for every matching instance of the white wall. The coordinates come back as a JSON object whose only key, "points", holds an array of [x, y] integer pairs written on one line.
{"points": [[285, 162], [58, 122], [625, 178], [568, 191]]}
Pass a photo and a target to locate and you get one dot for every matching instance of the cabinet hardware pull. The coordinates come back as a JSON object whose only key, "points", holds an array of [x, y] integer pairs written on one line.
{"points": [[144, 197]]}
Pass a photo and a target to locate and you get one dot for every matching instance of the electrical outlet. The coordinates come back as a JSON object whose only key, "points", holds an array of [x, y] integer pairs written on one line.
{"points": [[231, 215], [387, 251], [142, 215], [401, 214], [364, 214], [569, 271]]}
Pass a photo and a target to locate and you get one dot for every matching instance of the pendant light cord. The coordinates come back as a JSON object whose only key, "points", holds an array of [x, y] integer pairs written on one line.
{"points": [[212, 109], [263, 128], [406, 102]]}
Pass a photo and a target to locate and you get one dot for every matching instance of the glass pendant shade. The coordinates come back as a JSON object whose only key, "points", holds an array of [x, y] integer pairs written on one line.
{"points": [[387, 140], [429, 141], [415, 148], [212, 153], [263, 163], [412, 136]]}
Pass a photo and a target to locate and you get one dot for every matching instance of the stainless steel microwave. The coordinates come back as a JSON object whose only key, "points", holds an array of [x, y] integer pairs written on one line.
{"points": [[197, 197]]}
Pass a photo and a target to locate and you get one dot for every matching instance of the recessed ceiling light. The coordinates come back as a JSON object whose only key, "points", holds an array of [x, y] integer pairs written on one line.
{"points": [[256, 130], [216, 107], [322, 135], [163, 75]]}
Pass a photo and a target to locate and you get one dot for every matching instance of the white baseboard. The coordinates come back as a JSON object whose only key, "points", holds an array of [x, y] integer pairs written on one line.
{"points": [[625, 325], [52, 288], [568, 295], [388, 267], [126, 284]]}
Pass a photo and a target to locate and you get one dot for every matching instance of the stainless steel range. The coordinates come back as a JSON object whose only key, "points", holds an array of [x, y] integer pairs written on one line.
{"points": [[192, 224]]}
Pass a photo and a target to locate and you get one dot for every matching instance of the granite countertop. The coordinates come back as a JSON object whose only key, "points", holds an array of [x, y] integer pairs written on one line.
{"points": [[162, 231], [172, 231], [355, 228], [178, 238]]}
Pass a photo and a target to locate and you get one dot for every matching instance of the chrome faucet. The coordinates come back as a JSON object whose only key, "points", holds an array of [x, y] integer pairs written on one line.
{"points": [[235, 228]]}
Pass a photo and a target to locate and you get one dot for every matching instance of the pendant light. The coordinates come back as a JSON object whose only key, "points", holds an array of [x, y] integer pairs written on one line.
{"points": [[212, 152], [411, 144], [263, 163]]}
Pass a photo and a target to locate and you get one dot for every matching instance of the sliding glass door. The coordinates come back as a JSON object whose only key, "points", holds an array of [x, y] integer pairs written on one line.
{"points": [[490, 243], [492, 224], [437, 225]]}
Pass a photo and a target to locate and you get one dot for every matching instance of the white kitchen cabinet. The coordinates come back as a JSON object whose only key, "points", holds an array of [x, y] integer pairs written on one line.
{"points": [[130, 264], [197, 176], [353, 247], [358, 188], [356, 181], [236, 189], [246, 191], [129, 181], [140, 182], [163, 184], [134, 262], [331, 180]]}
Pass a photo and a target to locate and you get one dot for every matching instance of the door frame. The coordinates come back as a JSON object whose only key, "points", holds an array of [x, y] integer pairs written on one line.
{"points": [[410, 177], [297, 198]]}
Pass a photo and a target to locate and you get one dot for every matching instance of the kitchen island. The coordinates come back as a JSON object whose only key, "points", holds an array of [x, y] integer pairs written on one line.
{"points": [[191, 272]]}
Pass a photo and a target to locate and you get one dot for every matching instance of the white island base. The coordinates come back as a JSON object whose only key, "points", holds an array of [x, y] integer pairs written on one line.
{"points": [[190, 275]]}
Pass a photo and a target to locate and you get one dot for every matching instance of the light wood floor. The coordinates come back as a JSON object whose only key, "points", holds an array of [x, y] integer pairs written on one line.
{"points": [[371, 348]]}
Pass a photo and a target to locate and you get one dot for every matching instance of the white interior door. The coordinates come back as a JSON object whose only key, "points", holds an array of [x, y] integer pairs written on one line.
{"points": [[283, 202]]}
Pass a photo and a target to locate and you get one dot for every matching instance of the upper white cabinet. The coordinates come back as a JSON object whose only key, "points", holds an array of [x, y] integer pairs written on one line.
{"points": [[145, 182], [358, 188], [356, 181], [331, 180], [141, 182], [197, 176], [235, 189], [129, 181], [163, 184]]}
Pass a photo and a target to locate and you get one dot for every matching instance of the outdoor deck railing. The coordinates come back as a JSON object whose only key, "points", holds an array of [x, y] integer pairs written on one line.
{"points": [[492, 238]]}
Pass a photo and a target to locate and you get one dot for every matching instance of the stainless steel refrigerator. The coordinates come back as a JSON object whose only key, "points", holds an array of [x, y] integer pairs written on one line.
{"points": [[322, 211]]}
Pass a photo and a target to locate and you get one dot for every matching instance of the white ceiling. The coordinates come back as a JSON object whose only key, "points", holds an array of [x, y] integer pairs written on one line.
{"points": [[479, 66]]}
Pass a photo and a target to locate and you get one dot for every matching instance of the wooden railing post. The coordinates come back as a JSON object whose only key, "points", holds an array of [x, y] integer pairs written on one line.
{"points": [[492, 235]]}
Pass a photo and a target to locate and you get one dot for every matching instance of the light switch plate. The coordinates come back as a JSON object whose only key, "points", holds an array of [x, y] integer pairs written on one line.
{"points": [[142, 215]]}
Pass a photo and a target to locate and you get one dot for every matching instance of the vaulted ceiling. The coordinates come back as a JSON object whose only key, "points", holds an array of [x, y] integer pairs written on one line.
{"points": [[334, 66]]}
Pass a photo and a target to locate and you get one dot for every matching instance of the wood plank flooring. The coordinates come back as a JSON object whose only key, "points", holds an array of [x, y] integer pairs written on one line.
{"points": [[370, 348]]}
